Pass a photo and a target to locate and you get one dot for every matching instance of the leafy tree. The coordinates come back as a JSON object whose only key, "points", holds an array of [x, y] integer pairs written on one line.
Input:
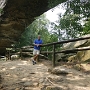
{"points": [[53, 3], [39, 26], [56, 30], [86, 28], [71, 25], [71, 22], [78, 7]]}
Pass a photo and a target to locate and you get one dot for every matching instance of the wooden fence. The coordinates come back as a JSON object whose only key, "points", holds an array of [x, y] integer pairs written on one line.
{"points": [[64, 51], [53, 52]]}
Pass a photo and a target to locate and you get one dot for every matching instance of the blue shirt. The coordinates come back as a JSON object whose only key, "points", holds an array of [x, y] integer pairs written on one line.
{"points": [[37, 41]]}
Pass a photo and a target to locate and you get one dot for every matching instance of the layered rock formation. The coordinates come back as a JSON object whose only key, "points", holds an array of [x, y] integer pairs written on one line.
{"points": [[17, 15], [80, 55]]}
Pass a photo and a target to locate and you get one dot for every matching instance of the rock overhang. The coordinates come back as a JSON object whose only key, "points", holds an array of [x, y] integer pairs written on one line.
{"points": [[17, 14]]}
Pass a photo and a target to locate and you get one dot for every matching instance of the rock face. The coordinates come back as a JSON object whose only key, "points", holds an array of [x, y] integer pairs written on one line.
{"points": [[80, 55], [17, 15]]}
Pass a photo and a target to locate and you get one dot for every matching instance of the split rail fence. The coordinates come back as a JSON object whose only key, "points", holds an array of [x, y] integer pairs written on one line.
{"points": [[53, 52]]}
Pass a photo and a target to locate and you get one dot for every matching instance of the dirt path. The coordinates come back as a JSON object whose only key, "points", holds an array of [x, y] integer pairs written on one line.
{"points": [[22, 75]]}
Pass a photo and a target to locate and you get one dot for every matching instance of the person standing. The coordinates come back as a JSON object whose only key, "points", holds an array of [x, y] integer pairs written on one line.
{"points": [[36, 51]]}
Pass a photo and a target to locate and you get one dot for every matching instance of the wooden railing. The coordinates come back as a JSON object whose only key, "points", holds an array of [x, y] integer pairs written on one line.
{"points": [[53, 52], [64, 51]]}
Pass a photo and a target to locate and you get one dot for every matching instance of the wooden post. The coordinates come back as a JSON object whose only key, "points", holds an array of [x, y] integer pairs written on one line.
{"points": [[21, 53], [53, 57], [9, 55]]}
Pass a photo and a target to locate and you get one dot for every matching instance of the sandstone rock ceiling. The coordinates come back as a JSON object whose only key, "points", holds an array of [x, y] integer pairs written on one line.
{"points": [[17, 14]]}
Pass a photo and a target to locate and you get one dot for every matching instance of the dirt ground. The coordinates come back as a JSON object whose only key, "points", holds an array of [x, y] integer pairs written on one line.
{"points": [[22, 75]]}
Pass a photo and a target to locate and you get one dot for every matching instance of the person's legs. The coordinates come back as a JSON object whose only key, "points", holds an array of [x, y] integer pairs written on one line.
{"points": [[36, 54], [35, 57]]}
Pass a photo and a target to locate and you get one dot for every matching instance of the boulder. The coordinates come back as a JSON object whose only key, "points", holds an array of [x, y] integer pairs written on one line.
{"points": [[60, 70], [80, 55], [13, 57]]}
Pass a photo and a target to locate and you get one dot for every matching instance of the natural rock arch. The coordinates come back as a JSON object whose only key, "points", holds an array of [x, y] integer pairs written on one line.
{"points": [[15, 15]]}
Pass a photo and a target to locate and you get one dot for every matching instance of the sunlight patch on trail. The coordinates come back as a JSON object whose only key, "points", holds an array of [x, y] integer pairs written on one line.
{"points": [[6, 63], [13, 67], [23, 63], [4, 69], [25, 79]]}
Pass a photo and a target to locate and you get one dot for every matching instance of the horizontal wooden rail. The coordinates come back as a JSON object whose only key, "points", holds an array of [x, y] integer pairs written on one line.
{"points": [[27, 47], [66, 41], [69, 50], [48, 52], [27, 50], [74, 50], [61, 42]]}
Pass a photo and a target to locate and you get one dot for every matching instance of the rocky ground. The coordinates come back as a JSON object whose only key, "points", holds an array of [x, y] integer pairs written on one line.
{"points": [[22, 75]]}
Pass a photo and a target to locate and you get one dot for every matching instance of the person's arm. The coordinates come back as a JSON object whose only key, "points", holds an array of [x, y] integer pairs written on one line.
{"points": [[35, 44], [41, 43]]}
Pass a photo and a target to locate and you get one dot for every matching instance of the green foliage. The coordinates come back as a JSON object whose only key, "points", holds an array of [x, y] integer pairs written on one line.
{"points": [[1, 11], [78, 7], [39, 26], [27, 38], [86, 28], [71, 24], [53, 3], [71, 21]]}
